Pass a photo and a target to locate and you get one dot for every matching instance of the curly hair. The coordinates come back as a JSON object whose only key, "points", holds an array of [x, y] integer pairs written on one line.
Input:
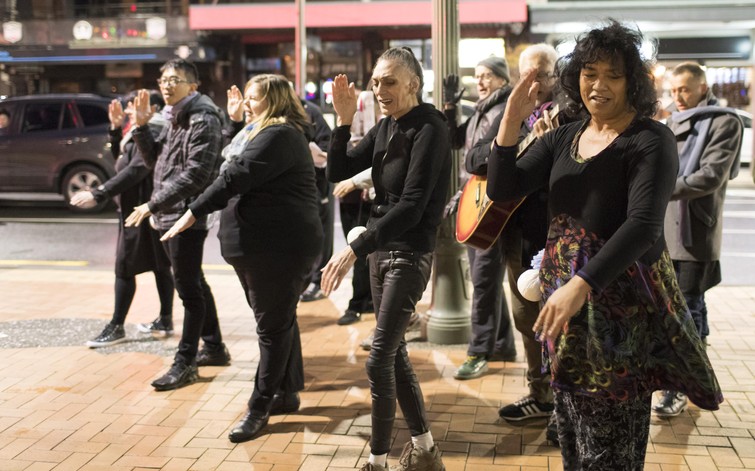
{"points": [[619, 45]]}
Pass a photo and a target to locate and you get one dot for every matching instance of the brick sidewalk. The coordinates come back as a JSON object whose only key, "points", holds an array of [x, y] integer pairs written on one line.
{"points": [[72, 408]]}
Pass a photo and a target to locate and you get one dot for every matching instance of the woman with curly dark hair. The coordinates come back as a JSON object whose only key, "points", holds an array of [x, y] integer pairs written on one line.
{"points": [[614, 322]]}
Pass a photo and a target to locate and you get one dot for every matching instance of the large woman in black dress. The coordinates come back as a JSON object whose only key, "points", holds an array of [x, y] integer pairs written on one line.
{"points": [[409, 152], [138, 249], [270, 233], [614, 322]]}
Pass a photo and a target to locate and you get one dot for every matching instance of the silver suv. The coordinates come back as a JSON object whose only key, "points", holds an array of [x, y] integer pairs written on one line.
{"points": [[55, 143]]}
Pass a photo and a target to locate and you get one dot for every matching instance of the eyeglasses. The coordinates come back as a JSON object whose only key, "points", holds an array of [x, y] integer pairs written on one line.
{"points": [[486, 77], [172, 81], [542, 76]]}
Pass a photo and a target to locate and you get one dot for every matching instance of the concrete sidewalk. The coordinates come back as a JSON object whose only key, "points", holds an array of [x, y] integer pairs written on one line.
{"points": [[66, 407]]}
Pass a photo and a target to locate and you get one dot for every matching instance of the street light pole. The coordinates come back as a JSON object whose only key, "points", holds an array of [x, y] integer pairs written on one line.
{"points": [[300, 46], [449, 321]]}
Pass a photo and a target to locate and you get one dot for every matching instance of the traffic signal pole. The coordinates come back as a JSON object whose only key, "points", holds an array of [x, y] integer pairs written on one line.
{"points": [[449, 321]]}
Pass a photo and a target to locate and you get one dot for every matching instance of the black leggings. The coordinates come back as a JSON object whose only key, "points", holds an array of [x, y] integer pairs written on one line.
{"points": [[398, 280], [125, 288]]}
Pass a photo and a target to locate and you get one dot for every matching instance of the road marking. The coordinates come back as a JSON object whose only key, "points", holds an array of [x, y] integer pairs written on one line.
{"points": [[740, 214], [56, 220], [738, 254], [216, 267], [44, 263]]}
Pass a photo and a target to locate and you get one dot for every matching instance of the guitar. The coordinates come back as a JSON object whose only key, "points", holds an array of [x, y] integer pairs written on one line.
{"points": [[479, 220]]}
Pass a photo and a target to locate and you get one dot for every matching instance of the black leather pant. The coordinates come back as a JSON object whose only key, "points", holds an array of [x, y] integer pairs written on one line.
{"points": [[398, 280]]}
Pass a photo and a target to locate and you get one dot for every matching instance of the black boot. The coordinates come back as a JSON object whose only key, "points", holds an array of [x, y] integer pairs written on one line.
{"points": [[249, 427]]}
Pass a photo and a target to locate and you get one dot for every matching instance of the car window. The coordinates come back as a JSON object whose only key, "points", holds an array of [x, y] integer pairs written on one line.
{"points": [[93, 115], [69, 120], [41, 117]]}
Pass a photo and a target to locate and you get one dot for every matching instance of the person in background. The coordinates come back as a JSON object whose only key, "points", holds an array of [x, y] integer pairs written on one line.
{"points": [[492, 332], [410, 156], [318, 146], [4, 119], [138, 249], [355, 204], [614, 322], [524, 236], [271, 234], [186, 159], [708, 138]]}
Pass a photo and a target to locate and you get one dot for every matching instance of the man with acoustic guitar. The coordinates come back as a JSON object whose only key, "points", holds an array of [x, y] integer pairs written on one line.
{"points": [[492, 332], [524, 235]]}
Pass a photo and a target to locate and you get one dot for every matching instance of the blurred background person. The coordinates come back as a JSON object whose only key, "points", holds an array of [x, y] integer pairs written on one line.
{"points": [[318, 146], [614, 323], [4, 119], [708, 138], [271, 234], [492, 332], [410, 158], [355, 196], [138, 249]]}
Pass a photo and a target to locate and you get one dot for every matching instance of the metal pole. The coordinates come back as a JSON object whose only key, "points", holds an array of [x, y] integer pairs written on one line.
{"points": [[300, 46], [449, 321]]}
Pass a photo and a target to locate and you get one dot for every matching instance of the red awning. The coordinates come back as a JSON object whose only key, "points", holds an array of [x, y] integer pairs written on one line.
{"points": [[349, 14]]}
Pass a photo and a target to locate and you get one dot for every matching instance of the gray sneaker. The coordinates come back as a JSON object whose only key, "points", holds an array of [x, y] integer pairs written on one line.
{"points": [[474, 367], [672, 403], [111, 335], [373, 467], [417, 459]]}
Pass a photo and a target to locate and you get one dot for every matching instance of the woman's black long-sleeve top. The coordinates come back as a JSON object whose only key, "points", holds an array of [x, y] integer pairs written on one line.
{"points": [[268, 197], [620, 194], [411, 170]]}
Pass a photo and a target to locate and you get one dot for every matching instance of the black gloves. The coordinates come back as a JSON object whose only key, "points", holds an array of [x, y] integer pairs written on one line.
{"points": [[452, 93]]}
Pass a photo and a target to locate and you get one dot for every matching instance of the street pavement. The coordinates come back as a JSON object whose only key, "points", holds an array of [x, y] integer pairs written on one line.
{"points": [[66, 407]]}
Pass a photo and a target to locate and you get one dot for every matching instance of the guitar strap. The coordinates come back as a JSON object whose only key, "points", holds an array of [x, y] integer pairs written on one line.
{"points": [[537, 113]]}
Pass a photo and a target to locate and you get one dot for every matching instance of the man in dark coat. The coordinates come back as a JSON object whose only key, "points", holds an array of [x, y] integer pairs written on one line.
{"points": [[186, 158], [708, 139]]}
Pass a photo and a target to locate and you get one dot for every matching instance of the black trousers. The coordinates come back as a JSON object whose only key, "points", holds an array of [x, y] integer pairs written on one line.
{"points": [[491, 323], [353, 215], [398, 281], [272, 283], [525, 314], [200, 314], [327, 219]]}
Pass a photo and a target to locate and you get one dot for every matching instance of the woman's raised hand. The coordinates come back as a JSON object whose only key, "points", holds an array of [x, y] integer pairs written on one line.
{"points": [[115, 113], [344, 99], [520, 105], [235, 105], [142, 111]]}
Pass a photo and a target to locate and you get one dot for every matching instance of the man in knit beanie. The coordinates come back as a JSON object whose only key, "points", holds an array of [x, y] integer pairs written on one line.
{"points": [[497, 66], [492, 336]]}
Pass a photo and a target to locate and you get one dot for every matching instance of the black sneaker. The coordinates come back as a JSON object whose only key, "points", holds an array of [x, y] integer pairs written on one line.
{"points": [[349, 317], [178, 376], [157, 326], [525, 408], [312, 293], [214, 357], [111, 335], [672, 403]]}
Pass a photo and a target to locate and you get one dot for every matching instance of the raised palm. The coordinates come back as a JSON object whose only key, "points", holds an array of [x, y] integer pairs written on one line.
{"points": [[235, 105], [344, 99]]}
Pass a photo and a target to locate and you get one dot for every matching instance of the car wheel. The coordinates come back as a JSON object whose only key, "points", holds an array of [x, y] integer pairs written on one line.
{"points": [[81, 178]]}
